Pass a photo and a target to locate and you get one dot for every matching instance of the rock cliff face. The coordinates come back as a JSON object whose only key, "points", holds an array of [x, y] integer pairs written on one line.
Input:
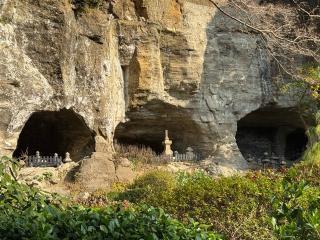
{"points": [[130, 70]]}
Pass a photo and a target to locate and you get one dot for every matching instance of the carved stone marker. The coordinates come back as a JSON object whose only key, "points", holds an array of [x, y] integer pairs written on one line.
{"points": [[67, 159], [167, 145], [283, 164], [190, 153]]}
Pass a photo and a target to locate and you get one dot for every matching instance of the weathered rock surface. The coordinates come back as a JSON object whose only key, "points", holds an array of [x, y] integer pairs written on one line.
{"points": [[101, 171], [50, 62], [148, 65], [48, 178]]}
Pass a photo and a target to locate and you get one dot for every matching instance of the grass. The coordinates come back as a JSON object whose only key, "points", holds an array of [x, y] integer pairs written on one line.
{"points": [[312, 155], [139, 155]]}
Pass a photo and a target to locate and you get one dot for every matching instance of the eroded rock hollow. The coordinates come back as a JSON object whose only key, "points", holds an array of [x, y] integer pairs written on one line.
{"points": [[147, 125], [55, 132], [272, 133]]}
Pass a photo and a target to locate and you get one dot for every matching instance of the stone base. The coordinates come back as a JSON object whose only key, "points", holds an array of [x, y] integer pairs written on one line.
{"points": [[101, 171]]}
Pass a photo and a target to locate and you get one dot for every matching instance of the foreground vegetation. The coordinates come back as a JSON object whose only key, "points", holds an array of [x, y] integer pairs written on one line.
{"points": [[261, 205], [283, 204], [28, 213]]}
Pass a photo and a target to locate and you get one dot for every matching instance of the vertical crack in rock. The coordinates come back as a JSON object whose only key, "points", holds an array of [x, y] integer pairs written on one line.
{"points": [[266, 82]]}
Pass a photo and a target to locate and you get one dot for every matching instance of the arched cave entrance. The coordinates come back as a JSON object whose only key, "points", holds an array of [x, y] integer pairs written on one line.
{"points": [[59, 132], [277, 133], [147, 127]]}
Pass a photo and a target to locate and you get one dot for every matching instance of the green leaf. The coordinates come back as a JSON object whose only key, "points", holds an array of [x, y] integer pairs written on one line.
{"points": [[103, 228]]}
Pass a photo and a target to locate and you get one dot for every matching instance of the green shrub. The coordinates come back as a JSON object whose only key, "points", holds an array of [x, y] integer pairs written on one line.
{"points": [[101, 223], [297, 212], [236, 206], [154, 185], [305, 171], [312, 155], [28, 213], [260, 205], [227, 203]]}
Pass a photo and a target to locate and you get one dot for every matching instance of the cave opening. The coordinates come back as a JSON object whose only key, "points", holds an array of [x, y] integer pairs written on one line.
{"points": [[144, 133], [139, 140], [51, 132], [147, 127], [272, 133]]}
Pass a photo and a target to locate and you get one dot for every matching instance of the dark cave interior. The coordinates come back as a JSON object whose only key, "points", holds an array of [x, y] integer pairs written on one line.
{"points": [[271, 132], [147, 128], [52, 132]]}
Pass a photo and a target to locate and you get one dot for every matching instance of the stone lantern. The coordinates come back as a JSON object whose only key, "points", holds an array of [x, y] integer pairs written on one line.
{"points": [[67, 159], [167, 145]]}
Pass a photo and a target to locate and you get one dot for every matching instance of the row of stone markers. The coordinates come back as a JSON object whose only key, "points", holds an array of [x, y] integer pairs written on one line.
{"points": [[47, 161], [175, 156], [188, 156], [268, 161]]}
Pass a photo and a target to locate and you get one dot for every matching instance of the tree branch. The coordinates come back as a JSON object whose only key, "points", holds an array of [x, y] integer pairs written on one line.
{"points": [[235, 19]]}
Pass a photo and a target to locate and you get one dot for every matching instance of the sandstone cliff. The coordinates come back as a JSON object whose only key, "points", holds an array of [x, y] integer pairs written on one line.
{"points": [[132, 69]]}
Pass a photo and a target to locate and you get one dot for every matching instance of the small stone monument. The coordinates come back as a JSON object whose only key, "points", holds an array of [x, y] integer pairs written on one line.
{"points": [[55, 157], [283, 163], [190, 153], [67, 159], [265, 161], [38, 156], [167, 145]]}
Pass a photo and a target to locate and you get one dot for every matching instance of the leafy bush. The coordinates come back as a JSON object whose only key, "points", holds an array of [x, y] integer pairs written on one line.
{"points": [[312, 155], [104, 223], [237, 206], [156, 184], [305, 171], [297, 212], [260, 205], [28, 213]]}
